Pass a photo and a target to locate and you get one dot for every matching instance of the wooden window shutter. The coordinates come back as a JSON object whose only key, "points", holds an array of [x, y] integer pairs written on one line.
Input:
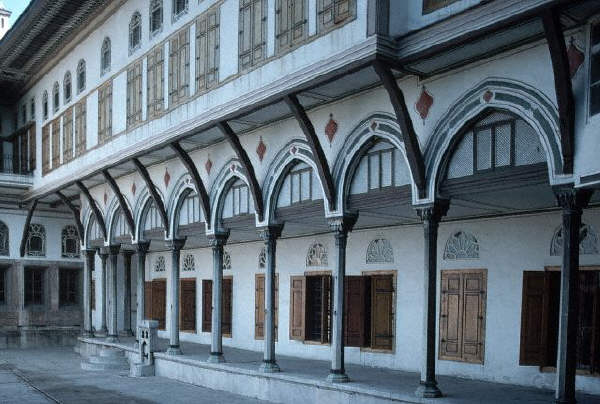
{"points": [[212, 52], [259, 307], [297, 308], [282, 13], [382, 312], [32, 150], [354, 311], [159, 302], [258, 40], [173, 79], [188, 305], [151, 84], [450, 316], [342, 10], [474, 298], [226, 314], [326, 309], [534, 317], [201, 47], [148, 300], [298, 20], [45, 149], [245, 34], [206, 305], [129, 96], [159, 79]]}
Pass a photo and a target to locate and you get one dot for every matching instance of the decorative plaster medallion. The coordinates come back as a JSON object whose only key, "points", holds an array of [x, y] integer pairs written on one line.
{"points": [[588, 241], [317, 255], [461, 245], [373, 126], [487, 96], [424, 103], [261, 149], [160, 264], [208, 166], [380, 251], [167, 177], [293, 150], [226, 260], [262, 258], [575, 56], [189, 263], [331, 128], [133, 189]]}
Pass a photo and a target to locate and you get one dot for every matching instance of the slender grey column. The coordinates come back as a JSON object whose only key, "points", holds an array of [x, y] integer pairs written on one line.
{"points": [[431, 216], [175, 245], [270, 235], [103, 312], [112, 325], [88, 330], [572, 202], [126, 331], [340, 226], [141, 250], [217, 242]]}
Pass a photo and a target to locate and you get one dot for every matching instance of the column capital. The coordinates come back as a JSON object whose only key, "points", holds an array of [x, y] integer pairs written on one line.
{"points": [[114, 249], [270, 232], [142, 247], [176, 244], [343, 224], [127, 253], [572, 199], [103, 253], [433, 212], [88, 252], [218, 239]]}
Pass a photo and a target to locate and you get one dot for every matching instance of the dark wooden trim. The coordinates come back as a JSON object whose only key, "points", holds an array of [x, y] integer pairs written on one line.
{"points": [[193, 172], [26, 227], [411, 142], [76, 214], [153, 193], [92, 203], [562, 85], [313, 141], [234, 141], [126, 212]]}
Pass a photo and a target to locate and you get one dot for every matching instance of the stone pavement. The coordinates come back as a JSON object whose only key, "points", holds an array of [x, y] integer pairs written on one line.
{"points": [[54, 375]]}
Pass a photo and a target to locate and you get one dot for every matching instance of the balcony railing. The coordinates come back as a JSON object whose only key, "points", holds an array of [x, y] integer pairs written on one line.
{"points": [[11, 164]]}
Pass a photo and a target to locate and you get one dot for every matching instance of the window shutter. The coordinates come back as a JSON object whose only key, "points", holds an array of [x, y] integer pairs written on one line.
{"points": [[326, 309], [188, 305], [382, 312], [159, 301], [258, 31], [450, 316], [201, 47], [148, 300], [245, 34], [283, 24], [184, 55], [297, 307], [159, 79], [226, 317], [342, 10], [259, 307], [45, 149], [173, 82], [354, 311], [206, 305], [474, 292], [151, 84], [212, 53], [534, 314], [298, 20]]}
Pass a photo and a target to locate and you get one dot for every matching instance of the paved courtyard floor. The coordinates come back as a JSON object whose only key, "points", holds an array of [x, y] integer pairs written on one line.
{"points": [[54, 375]]}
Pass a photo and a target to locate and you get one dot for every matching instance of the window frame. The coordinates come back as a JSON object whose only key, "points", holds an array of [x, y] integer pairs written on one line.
{"points": [[156, 6], [176, 15], [81, 76], [55, 97], [105, 56], [297, 173], [135, 26], [68, 277], [322, 28], [36, 297], [45, 108], [67, 88]]}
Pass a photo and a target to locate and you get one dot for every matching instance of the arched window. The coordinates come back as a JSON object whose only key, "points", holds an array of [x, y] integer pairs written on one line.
{"points": [[56, 96], [4, 239], [135, 32], [81, 76], [156, 16], [35, 245], [70, 242], [45, 104], [105, 56], [190, 211], [461, 245], [179, 7], [67, 87], [152, 219]]}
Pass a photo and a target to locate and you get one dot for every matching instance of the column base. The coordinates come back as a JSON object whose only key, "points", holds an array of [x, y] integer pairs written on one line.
{"points": [[125, 333], [87, 334], [428, 390], [337, 376], [174, 350], [565, 401], [103, 332], [112, 338], [269, 367], [216, 357]]}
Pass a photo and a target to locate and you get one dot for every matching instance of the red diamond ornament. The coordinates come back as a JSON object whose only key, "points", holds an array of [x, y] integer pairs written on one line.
{"points": [[575, 57], [105, 197], [208, 166], [261, 149], [133, 188], [424, 103], [167, 178], [487, 96], [331, 128]]}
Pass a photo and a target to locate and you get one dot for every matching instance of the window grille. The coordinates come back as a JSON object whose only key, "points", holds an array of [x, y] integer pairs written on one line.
{"points": [[207, 49], [156, 16], [80, 76], [135, 32], [35, 245], [253, 32], [70, 242], [67, 87], [155, 81], [105, 57]]}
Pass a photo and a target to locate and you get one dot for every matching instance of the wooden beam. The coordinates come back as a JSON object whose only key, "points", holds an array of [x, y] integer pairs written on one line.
{"points": [[562, 86], [255, 190], [92, 203], [409, 136], [76, 215], [193, 172], [26, 227], [141, 169], [311, 137], [122, 203]]}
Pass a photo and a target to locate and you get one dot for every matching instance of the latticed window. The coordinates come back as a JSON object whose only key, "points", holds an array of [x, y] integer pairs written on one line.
{"points": [[156, 81], [179, 67], [496, 142], [4, 240], [105, 56], [45, 105], [595, 69], [317, 255], [56, 96], [432, 5], [238, 201], [56, 143], [156, 16], [189, 263], [80, 127], [461, 245], [207, 49], [45, 149], [253, 32], [134, 94], [35, 245], [105, 112], [179, 7], [333, 12], [291, 23], [301, 184], [135, 32], [81, 76], [67, 135], [70, 242], [67, 87], [119, 226]]}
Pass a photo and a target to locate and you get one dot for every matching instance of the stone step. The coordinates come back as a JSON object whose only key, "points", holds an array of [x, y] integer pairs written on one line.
{"points": [[111, 353], [85, 365], [107, 360]]}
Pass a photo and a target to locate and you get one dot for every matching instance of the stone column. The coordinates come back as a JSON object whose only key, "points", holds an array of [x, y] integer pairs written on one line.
{"points": [[88, 330], [217, 242], [141, 250], [431, 216], [126, 331], [112, 325], [175, 245], [340, 227], [572, 202], [103, 311], [270, 235]]}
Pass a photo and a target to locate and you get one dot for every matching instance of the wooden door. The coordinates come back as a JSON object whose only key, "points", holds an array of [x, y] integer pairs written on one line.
{"points": [[148, 300], [354, 311], [297, 307], [259, 306], [206, 305], [187, 321], [159, 302], [227, 303], [382, 312]]}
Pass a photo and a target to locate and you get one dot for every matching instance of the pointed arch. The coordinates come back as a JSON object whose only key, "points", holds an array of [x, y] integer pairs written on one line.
{"points": [[113, 211], [143, 203], [182, 189]]}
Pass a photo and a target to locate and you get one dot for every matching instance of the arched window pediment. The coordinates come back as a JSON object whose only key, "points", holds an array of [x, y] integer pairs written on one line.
{"points": [[461, 245]]}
